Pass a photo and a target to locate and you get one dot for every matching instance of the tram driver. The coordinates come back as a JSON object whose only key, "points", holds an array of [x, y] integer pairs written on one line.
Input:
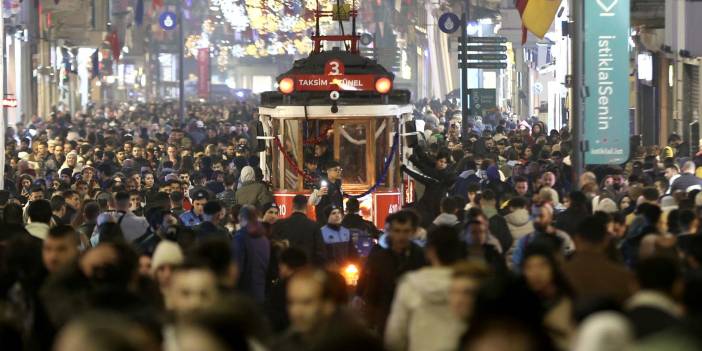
{"points": [[328, 191]]}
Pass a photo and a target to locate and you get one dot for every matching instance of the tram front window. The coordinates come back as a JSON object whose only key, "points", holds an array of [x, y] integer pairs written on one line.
{"points": [[352, 153]]}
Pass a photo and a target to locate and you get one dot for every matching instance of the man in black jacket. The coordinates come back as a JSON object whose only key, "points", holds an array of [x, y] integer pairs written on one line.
{"points": [[211, 227], [687, 179], [301, 232], [385, 265]]}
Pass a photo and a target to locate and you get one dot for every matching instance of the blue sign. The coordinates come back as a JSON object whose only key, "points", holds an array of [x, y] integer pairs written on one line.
{"points": [[606, 65], [168, 20], [449, 22]]}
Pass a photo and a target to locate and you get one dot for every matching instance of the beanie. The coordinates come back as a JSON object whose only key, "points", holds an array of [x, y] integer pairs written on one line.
{"points": [[167, 252]]}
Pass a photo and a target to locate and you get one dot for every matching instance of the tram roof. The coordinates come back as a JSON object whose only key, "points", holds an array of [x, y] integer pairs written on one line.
{"points": [[319, 112], [353, 63]]}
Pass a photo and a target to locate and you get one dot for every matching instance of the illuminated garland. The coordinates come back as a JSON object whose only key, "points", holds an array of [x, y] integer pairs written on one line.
{"points": [[318, 139], [291, 162], [280, 26]]}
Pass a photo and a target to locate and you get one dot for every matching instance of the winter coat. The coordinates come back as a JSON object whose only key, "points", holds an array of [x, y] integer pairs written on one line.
{"points": [[569, 219], [460, 188], [252, 253], [339, 247], [302, 233], [420, 319], [685, 181], [651, 312], [519, 223], [253, 193], [379, 278]]}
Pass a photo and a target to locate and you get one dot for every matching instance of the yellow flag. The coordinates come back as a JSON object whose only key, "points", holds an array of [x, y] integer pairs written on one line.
{"points": [[539, 14]]}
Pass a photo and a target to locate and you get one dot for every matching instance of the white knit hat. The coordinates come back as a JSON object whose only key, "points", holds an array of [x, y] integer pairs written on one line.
{"points": [[167, 252]]}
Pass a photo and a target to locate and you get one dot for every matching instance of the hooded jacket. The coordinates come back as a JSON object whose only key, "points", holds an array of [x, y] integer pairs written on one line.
{"points": [[250, 191], [420, 318], [519, 223]]}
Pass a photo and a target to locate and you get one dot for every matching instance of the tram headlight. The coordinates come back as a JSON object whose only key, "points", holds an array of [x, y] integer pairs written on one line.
{"points": [[383, 85], [286, 85]]}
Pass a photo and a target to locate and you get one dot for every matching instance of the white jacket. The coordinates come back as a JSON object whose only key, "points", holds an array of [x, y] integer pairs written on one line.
{"points": [[420, 319]]}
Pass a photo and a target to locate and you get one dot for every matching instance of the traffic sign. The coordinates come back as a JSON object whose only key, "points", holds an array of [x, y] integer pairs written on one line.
{"points": [[487, 40], [483, 57], [486, 48], [483, 65], [449, 22], [168, 20]]}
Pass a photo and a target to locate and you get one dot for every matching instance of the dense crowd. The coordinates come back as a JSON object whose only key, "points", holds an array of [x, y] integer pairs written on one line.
{"points": [[124, 228]]}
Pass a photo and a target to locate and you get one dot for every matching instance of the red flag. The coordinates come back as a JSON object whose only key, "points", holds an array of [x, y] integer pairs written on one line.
{"points": [[113, 39], [521, 6]]}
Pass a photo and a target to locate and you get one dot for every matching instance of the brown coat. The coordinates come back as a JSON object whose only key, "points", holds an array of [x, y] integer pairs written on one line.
{"points": [[593, 275]]}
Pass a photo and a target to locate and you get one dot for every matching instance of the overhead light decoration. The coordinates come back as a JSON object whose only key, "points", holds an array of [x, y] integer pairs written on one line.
{"points": [[282, 26]]}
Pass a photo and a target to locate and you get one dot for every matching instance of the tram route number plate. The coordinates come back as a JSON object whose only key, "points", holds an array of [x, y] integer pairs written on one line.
{"points": [[321, 82]]}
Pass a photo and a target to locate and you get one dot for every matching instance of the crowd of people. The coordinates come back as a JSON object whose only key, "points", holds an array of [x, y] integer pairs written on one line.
{"points": [[127, 229]]}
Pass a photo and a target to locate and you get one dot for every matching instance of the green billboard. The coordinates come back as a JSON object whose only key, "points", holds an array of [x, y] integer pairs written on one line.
{"points": [[606, 70], [482, 101]]}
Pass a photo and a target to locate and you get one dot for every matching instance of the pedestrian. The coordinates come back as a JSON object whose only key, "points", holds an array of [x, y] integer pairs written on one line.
{"points": [[338, 246], [212, 226], [251, 250], [194, 216], [251, 192], [420, 307], [611, 281], [385, 265], [300, 232]]}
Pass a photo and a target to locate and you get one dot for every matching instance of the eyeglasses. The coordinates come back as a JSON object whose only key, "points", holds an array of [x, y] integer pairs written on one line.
{"points": [[337, 169]]}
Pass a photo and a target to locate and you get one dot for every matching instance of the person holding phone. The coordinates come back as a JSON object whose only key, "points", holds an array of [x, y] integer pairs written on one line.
{"points": [[329, 191]]}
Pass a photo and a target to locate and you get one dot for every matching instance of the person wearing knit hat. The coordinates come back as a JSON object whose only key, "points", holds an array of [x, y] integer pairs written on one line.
{"points": [[167, 256], [337, 239], [269, 213]]}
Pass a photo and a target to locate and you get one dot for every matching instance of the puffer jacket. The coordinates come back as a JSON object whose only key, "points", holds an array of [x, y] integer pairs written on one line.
{"points": [[420, 319], [519, 223]]}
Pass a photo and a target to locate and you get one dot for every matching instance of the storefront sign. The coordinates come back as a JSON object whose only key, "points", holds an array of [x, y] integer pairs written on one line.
{"points": [[606, 58], [9, 102]]}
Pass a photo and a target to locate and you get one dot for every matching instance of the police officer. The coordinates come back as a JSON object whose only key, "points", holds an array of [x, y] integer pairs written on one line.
{"points": [[328, 192], [195, 215]]}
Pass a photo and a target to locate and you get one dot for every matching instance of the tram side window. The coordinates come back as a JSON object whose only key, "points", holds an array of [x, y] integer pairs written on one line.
{"points": [[352, 148]]}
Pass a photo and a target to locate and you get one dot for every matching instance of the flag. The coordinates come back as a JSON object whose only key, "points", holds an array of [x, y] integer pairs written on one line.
{"points": [[113, 39], [96, 63], [139, 12], [538, 15], [521, 6]]}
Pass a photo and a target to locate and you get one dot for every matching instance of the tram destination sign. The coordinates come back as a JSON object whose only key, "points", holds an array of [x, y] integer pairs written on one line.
{"points": [[334, 79], [321, 82]]}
